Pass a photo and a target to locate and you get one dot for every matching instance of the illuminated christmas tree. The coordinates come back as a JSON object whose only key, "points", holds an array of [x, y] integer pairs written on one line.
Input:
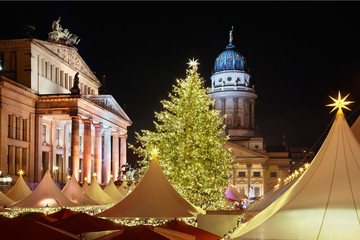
{"points": [[189, 137]]}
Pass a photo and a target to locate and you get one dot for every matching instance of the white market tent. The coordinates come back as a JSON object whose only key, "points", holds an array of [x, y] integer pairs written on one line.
{"points": [[153, 197], [113, 192], [124, 189], [74, 192], [46, 193], [4, 200], [324, 203], [269, 198], [19, 191], [85, 186], [96, 193]]}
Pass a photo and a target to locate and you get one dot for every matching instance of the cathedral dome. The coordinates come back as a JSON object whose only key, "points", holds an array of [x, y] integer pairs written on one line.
{"points": [[230, 59]]}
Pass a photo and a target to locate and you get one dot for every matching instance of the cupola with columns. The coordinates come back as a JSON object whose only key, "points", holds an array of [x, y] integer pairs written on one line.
{"points": [[233, 93]]}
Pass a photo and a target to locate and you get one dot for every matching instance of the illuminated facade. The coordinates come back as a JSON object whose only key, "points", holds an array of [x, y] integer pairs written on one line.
{"points": [[46, 127], [235, 96]]}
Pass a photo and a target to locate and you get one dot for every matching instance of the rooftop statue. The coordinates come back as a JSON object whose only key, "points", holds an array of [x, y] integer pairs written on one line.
{"points": [[58, 34], [231, 35]]}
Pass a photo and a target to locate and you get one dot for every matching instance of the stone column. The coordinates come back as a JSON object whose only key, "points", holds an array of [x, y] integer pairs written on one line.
{"points": [[75, 147], [38, 147], [248, 166], [31, 153], [123, 151], [98, 152], [52, 160], [87, 150], [115, 155], [3, 139], [66, 151], [107, 155]]}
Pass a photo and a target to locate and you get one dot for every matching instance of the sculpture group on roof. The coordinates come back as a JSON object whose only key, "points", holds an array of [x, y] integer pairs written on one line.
{"points": [[58, 34]]}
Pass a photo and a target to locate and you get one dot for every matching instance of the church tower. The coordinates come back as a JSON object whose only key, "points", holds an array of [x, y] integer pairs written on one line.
{"points": [[233, 93]]}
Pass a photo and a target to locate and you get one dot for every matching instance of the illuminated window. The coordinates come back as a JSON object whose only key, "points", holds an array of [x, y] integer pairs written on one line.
{"points": [[9, 126], [273, 174], [24, 129], [17, 127], [44, 133], [256, 174], [66, 81], [58, 137], [46, 69], [257, 191], [242, 174], [1, 61]]}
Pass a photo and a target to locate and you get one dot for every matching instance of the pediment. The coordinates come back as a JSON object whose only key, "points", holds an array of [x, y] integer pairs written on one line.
{"points": [[109, 103], [69, 55], [242, 152]]}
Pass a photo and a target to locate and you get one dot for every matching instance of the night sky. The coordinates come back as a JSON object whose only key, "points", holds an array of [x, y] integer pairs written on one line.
{"points": [[298, 53]]}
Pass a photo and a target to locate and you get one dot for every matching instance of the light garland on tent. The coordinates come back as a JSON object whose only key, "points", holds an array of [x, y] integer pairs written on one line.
{"points": [[92, 210], [152, 221], [228, 234], [297, 173]]}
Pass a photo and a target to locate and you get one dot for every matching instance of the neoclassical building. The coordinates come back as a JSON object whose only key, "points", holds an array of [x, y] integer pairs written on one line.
{"points": [[49, 122], [235, 96]]}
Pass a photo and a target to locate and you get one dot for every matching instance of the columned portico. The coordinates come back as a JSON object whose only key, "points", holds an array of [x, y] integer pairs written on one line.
{"points": [[75, 147], [107, 155], [87, 150]]}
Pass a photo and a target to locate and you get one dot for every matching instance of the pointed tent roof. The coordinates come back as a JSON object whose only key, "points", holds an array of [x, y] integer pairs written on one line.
{"points": [[85, 186], [356, 129], [124, 188], [19, 191], [324, 201], [4, 200], [96, 193], [45, 193], [153, 197], [74, 192], [113, 192]]}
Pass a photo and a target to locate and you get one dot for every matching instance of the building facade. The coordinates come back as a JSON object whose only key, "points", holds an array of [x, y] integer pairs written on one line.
{"points": [[53, 121], [235, 97]]}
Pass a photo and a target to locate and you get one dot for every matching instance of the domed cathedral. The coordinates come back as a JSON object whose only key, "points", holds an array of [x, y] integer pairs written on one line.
{"points": [[235, 96]]}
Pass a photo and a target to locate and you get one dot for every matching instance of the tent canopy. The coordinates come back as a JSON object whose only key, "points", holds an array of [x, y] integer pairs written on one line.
{"points": [[96, 193], [113, 192], [46, 193], [74, 192], [324, 202], [19, 191], [4, 200], [153, 197]]}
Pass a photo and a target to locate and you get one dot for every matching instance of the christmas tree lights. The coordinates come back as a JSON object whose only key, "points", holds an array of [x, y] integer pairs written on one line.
{"points": [[189, 137]]}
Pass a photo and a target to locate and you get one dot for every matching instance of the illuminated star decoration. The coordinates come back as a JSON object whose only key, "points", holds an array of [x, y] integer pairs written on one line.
{"points": [[21, 172], [193, 63], [154, 152], [339, 103]]}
